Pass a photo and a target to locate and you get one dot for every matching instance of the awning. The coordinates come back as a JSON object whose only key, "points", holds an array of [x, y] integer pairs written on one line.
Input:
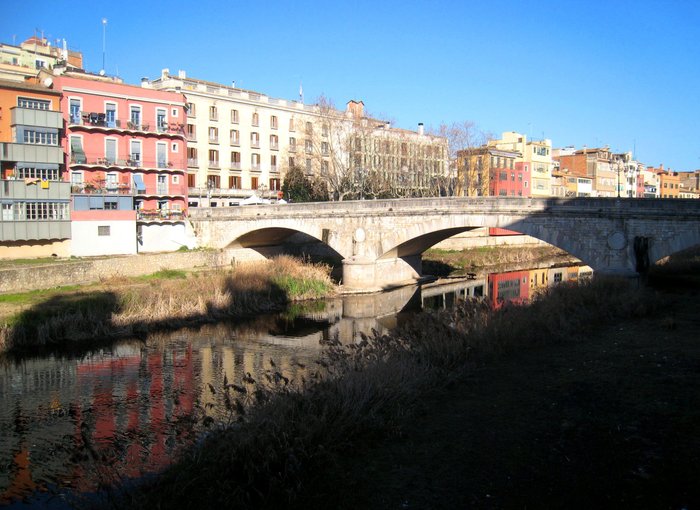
{"points": [[76, 149], [138, 182]]}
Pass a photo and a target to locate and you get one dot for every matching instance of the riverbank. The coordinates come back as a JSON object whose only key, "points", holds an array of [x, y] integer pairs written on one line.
{"points": [[76, 317], [588, 397]]}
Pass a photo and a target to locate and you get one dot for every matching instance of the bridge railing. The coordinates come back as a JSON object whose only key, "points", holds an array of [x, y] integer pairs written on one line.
{"points": [[453, 205]]}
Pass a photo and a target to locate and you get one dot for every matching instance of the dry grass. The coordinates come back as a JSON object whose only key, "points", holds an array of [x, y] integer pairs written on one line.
{"points": [[119, 308], [277, 449]]}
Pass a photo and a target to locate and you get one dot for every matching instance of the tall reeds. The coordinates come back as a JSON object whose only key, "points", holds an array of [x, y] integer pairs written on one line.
{"points": [[276, 450], [120, 308]]}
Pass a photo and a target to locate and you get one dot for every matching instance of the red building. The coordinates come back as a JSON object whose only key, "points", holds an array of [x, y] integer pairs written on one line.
{"points": [[512, 287], [126, 157]]}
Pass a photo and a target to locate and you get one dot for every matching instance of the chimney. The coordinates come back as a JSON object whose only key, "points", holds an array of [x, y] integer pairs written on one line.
{"points": [[420, 129], [181, 74], [164, 73], [356, 108]]}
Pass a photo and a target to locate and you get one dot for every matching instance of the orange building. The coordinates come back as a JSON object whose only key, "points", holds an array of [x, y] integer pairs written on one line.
{"points": [[34, 197], [669, 182]]}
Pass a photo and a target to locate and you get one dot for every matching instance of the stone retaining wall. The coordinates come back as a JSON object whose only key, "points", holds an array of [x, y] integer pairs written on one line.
{"points": [[23, 278]]}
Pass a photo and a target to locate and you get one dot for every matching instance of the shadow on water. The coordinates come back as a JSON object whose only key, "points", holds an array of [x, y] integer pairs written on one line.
{"points": [[81, 322]]}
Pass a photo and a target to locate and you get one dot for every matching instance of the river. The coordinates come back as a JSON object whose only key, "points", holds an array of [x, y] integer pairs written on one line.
{"points": [[72, 425]]}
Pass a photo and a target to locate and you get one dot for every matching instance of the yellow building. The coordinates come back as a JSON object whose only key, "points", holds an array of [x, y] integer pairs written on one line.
{"points": [[536, 156]]}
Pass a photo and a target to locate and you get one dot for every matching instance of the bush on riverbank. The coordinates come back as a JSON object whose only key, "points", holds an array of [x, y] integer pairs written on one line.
{"points": [[125, 307], [284, 444]]}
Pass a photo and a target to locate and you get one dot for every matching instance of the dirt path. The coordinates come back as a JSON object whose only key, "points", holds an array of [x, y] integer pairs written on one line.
{"points": [[606, 422]]}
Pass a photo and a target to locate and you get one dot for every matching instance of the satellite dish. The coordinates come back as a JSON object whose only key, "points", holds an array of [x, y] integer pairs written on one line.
{"points": [[102, 72], [48, 82]]}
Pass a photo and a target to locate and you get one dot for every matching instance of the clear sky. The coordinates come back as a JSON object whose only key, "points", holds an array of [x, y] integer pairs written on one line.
{"points": [[623, 73]]}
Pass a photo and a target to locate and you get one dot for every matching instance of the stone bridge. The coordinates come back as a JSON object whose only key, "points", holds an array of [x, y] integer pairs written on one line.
{"points": [[380, 242]]}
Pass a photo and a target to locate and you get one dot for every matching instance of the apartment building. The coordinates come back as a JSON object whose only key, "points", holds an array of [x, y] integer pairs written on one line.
{"points": [[241, 142], [488, 171], [126, 149], [599, 165], [34, 197], [399, 162], [33, 55], [669, 182], [536, 158], [238, 141]]}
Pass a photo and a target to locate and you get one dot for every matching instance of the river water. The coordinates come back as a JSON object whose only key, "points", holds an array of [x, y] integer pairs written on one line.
{"points": [[71, 425]]}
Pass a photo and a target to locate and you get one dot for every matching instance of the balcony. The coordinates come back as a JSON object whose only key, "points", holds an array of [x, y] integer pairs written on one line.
{"points": [[103, 122], [100, 187], [213, 139], [30, 153], [235, 165], [133, 161], [34, 189], [255, 144], [32, 117], [160, 215], [214, 164], [274, 146], [192, 162]]}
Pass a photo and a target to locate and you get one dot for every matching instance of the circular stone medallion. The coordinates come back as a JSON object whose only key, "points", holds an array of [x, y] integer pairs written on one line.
{"points": [[617, 240]]}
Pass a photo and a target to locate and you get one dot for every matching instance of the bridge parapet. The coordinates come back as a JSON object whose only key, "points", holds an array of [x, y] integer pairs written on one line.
{"points": [[381, 241]]}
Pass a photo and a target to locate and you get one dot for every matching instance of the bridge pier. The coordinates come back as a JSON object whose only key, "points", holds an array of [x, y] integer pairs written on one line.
{"points": [[366, 275]]}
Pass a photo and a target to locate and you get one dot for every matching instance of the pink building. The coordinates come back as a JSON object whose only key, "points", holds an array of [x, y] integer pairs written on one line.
{"points": [[126, 154]]}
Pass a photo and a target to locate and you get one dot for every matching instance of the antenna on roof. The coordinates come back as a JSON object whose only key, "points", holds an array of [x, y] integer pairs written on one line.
{"points": [[104, 41]]}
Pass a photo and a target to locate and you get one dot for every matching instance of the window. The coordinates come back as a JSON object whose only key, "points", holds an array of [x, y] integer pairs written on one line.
{"points": [[557, 277], [254, 139], [308, 146], [291, 124], [103, 230], [176, 179], [191, 109], [135, 117], [39, 64], [273, 121], [256, 119], [235, 137], [173, 112], [273, 162], [309, 128], [174, 148], [161, 119], [324, 167], [291, 162], [40, 137], [234, 116], [234, 182], [162, 154], [235, 159], [503, 176], [292, 144], [213, 158], [213, 135], [49, 174], [274, 142], [254, 183], [308, 166], [191, 132], [255, 161], [74, 106], [213, 113], [192, 156], [135, 153], [111, 114], [324, 148], [324, 130], [275, 184], [33, 104], [110, 151]]}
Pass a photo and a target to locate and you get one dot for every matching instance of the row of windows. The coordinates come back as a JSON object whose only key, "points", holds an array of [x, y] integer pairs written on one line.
{"points": [[48, 174], [34, 104], [40, 137], [110, 114], [21, 211], [235, 182]]}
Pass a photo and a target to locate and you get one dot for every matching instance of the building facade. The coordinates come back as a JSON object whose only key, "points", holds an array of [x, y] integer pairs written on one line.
{"points": [[536, 155], [33, 55], [34, 196], [241, 143], [126, 159]]}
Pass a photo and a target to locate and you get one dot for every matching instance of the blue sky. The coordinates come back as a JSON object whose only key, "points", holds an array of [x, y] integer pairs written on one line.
{"points": [[621, 73]]}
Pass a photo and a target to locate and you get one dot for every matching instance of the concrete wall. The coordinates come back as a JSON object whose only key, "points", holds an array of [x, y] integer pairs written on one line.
{"points": [[32, 277], [35, 249], [87, 243], [165, 237]]}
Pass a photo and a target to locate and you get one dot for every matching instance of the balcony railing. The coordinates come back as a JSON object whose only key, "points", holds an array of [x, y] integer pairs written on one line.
{"points": [[255, 144], [192, 162], [214, 163], [235, 165], [134, 161], [101, 120], [274, 146], [160, 214], [101, 188]]}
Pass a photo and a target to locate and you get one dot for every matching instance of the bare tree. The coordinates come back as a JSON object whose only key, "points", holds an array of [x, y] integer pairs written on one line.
{"points": [[463, 138]]}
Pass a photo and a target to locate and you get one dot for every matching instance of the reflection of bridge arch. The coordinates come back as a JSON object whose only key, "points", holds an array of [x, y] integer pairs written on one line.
{"points": [[381, 241]]}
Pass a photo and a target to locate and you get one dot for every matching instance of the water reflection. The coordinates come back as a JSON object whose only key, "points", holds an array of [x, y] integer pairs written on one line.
{"points": [[77, 423]]}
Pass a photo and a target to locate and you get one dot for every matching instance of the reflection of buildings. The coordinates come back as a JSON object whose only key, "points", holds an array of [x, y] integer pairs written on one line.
{"points": [[512, 287]]}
